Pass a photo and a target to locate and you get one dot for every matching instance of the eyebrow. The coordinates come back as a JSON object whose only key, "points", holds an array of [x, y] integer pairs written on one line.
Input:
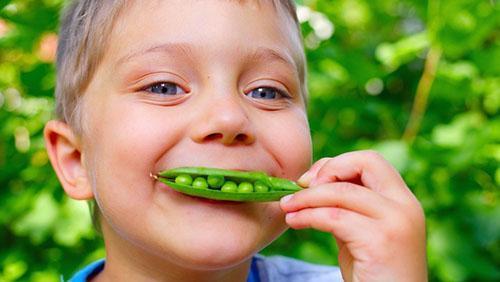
{"points": [[260, 54], [268, 54], [171, 48]]}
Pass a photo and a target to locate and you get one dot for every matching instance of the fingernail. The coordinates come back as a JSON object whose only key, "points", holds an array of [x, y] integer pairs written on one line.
{"points": [[290, 215], [286, 199], [305, 179]]}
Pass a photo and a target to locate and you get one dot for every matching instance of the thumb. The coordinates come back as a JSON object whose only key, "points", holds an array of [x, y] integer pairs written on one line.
{"points": [[308, 176]]}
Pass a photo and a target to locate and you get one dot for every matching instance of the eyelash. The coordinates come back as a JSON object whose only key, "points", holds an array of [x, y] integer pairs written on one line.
{"points": [[145, 89], [283, 93]]}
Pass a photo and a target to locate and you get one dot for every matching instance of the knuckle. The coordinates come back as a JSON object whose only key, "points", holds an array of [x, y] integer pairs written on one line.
{"points": [[322, 219], [328, 168], [396, 232], [341, 191], [342, 188], [327, 165], [335, 214], [320, 164], [414, 210], [417, 214], [372, 154], [323, 160], [401, 227]]}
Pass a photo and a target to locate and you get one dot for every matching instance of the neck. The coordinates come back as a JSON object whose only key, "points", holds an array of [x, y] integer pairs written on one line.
{"points": [[127, 262]]}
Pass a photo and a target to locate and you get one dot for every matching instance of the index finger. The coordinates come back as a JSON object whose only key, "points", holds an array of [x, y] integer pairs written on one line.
{"points": [[369, 167]]}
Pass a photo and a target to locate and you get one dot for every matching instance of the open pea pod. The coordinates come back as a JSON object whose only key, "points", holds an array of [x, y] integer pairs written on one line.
{"points": [[277, 187]]}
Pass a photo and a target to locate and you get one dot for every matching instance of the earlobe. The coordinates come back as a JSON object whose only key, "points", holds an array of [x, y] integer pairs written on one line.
{"points": [[64, 150]]}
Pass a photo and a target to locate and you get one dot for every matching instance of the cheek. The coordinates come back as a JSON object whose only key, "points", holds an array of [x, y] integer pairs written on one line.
{"points": [[124, 142], [125, 132], [289, 140]]}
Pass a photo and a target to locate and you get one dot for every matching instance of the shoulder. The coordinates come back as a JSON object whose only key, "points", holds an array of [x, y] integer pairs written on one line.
{"points": [[280, 268]]}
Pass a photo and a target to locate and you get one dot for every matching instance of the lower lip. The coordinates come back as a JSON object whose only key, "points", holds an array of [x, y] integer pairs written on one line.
{"points": [[199, 199], [214, 202]]}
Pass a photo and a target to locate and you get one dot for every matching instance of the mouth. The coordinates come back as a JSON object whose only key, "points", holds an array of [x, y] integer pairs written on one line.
{"points": [[226, 167], [185, 197], [226, 185], [211, 201]]}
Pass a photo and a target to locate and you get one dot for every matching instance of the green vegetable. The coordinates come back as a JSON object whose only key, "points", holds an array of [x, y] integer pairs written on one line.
{"points": [[215, 181], [245, 187], [184, 179], [230, 187], [200, 183], [234, 185], [260, 187]]}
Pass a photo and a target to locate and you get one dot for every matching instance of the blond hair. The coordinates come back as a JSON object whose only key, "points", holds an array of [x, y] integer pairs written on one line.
{"points": [[84, 32]]}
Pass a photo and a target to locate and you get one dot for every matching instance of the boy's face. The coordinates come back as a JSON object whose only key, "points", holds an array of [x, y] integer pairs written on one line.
{"points": [[220, 62]]}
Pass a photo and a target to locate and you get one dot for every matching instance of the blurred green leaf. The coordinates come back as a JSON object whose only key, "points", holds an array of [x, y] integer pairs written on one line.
{"points": [[365, 59], [4, 3], [396, 152], [73, 223], [395, 54], [39, 221], [456, 133]]}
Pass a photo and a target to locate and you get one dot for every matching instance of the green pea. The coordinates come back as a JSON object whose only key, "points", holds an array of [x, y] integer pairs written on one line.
{"points": [[200, 183], [215, 181], [229, 186], [260, 187], [239, 188], [184, 179], [245, 187]]}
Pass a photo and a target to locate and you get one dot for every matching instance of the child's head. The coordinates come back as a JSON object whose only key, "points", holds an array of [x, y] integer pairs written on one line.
{"points": [[151, 85]]}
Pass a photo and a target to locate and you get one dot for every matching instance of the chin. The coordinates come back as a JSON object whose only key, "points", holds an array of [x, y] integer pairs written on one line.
{"points": [[212, 253], [218, 260]]}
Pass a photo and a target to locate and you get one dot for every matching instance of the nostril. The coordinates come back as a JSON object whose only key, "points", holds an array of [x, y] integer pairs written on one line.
{"points": [[241, 137], [213, 136]]}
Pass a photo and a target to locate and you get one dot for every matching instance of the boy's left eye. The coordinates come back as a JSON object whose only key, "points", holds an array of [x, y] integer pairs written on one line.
{"points": [[266, 93], [165, 88]]}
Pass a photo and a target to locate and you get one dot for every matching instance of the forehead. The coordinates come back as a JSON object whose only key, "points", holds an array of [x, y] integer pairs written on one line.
{"points": [[220, 29]]}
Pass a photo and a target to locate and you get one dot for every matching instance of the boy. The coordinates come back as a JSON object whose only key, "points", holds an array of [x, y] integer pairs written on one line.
{"points": [[145, 86]]}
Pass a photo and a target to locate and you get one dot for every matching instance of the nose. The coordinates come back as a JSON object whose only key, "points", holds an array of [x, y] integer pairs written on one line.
{"points": [[223, 119]]}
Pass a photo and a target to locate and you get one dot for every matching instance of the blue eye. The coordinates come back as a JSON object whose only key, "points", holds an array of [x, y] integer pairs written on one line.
{"points": [[266, 93], [165, 88]]}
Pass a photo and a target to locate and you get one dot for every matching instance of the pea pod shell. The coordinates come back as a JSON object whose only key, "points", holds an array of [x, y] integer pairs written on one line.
{"points": [[226, 196], [278, 187], [274, 183]]}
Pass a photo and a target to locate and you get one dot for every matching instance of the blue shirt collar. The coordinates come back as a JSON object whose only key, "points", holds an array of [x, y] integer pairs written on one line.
{"points": [[94, 268]]}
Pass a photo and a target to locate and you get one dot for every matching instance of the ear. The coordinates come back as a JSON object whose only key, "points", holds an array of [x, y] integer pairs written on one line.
{"points": [[64, 150]]}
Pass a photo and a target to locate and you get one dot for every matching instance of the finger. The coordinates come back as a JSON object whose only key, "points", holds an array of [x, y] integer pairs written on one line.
{"points": [[345, 257], [347, 226], [339, 194], [306, 178], [370, 167]]}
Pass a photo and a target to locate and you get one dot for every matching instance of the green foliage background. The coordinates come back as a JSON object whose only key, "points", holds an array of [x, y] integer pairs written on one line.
{"points": [[416, 80]]}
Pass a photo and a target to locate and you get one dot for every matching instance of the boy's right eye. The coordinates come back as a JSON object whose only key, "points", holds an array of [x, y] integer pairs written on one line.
{"points": [[165, 88]]}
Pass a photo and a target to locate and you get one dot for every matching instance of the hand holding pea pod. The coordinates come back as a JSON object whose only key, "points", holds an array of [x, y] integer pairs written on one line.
{"points": [[230, 185], [364, 203]]}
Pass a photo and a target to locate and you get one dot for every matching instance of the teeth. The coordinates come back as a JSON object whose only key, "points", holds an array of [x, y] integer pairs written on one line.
{"points": [[154, 176]]}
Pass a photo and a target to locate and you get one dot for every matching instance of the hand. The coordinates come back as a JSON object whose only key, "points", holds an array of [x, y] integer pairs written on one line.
{"points": [[377, 222]]}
